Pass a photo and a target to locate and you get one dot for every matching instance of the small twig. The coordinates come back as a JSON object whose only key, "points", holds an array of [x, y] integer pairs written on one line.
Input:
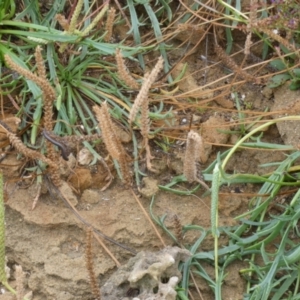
{"points": [[122, 13], [107, 250], [195, 284], [148, 218]]}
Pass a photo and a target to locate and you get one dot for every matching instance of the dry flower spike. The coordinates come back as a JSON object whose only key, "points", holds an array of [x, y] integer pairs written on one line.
{"points": [[111, 140], [229, 62], [142, 102], [123, 72], [48, 95], [194, 146], [109, 24], [142, 96]]}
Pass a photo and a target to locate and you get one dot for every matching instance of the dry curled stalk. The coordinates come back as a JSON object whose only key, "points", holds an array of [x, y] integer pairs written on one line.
{"points": [[123, 72], [32, 154], [109, 24], [111, 140], [194, 146], [90, 265], [49, 95], [29, 153]]}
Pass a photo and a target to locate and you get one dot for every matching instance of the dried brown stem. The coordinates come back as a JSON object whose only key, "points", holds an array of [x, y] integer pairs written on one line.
{"points": [[196, 286], [90, 265], [107, 250], [123, 14], [96, 231]]}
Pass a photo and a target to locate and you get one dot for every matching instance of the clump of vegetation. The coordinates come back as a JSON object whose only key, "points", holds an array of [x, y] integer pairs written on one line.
{"points": [[83, 76]]}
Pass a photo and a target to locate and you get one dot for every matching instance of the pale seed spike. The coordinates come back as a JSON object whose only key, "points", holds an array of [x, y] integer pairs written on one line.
{"points": [[75, 16], [107, 130], [40, 63], [112, 143], [123, 72], [145, 127], [191, 157], [100, 15], [109, 24], [63, 22], [43, 84], [143, 93]]}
